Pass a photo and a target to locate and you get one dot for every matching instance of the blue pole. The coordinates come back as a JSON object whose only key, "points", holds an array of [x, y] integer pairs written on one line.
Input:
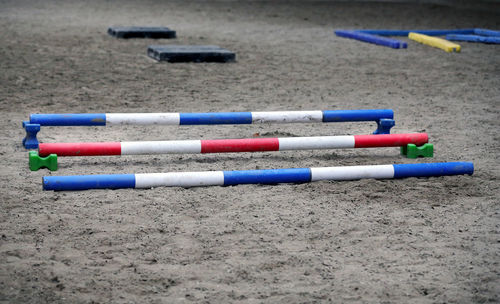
{"points": [[98, 119]]}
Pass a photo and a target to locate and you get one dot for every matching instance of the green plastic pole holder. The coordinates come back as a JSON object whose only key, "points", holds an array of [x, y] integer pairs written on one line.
{"points": [[412, 151], [36, 162]]}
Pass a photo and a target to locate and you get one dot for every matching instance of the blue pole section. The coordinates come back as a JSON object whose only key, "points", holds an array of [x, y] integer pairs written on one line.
{"points": [[97, 119], [215, 118], [474, 38], [392, 43], [424, 32], [86, 182], [433, 169], [357, 115], [485, 32], [269, 176]]}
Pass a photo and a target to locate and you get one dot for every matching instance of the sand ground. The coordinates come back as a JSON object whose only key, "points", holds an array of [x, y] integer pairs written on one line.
{"points": [[395, 241]]}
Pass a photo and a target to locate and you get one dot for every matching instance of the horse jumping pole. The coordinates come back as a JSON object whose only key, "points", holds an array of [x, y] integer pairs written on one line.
{"points": [[384, 119], [224, 146], [269, 176], [370, 38], [380, 36], [474, 38], [436, 42], [423, 32]]}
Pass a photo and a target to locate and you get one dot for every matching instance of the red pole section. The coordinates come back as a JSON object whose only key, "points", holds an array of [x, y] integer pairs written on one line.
{"points": [[240, 145], [389, 140], [80, 149]]}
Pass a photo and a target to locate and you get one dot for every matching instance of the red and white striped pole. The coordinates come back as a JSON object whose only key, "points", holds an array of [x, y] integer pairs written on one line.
{"points": [[231, 145]]}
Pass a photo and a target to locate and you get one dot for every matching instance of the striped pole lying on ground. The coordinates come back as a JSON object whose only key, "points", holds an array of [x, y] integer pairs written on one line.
{"points": [[269, 176], [102, 119], [231, 145]]}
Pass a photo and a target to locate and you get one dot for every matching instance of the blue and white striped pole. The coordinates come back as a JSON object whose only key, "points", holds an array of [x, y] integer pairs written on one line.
{"points": [[269, 176], [384, 119], [215, 118]]}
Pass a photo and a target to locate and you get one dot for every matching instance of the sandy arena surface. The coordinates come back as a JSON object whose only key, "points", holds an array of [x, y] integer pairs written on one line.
{"points": [[430, 240]]}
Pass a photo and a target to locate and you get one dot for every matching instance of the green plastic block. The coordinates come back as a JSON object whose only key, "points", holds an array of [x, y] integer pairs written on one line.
{"points": [[412, 151], [37, 162]]}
